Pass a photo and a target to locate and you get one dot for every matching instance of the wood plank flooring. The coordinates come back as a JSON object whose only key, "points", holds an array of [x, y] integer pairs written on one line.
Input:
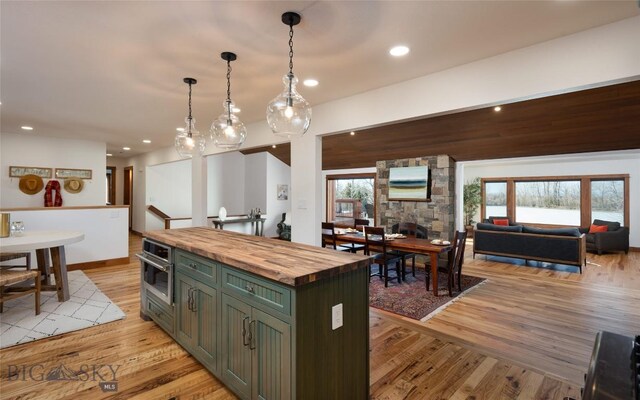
{"points": [[525, 334]]}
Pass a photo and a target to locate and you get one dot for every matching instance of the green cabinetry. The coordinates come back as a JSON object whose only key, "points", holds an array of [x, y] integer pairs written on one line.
{"points": [[197, 301], [266, 340], [256, 351], [159, 311]]}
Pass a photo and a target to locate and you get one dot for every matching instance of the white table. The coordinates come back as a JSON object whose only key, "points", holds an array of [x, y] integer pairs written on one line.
{"points": [[44, 242]]}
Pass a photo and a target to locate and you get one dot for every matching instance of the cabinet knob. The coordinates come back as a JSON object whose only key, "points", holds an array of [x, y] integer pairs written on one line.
{"points": [[193, 265], [250, 289]]}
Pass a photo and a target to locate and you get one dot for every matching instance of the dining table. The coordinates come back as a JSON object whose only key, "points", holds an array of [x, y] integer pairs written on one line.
{"points": [[410, 244], [46, 243]]}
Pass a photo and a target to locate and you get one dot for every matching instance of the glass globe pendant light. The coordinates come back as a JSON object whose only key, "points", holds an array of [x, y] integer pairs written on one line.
{"points": [[190, 141], [227, 131], [289, 114]]}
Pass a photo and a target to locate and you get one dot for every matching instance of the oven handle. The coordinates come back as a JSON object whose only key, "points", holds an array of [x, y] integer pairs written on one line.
{"points": [[164, 268]]}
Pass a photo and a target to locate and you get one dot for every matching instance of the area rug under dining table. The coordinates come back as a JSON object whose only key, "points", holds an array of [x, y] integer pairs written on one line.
{"points": [[410, 297]]}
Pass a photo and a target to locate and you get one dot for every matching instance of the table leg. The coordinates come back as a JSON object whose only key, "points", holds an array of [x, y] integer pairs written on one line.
{"points": [[60, 272], [42, 259], [434, 272]]}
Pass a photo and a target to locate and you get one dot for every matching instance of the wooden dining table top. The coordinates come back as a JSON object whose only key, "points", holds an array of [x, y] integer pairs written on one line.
{"points": [[408, 243]]}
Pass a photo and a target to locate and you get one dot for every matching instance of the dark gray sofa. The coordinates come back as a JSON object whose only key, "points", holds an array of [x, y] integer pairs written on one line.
{"points": [[561, 245], [616, 238]]}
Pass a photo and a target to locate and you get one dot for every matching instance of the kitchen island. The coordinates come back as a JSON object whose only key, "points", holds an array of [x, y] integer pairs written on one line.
{"points": [[271, 319]]}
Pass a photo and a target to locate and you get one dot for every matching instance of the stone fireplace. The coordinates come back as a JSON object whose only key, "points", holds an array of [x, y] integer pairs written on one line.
{"points": [[437, 214]]}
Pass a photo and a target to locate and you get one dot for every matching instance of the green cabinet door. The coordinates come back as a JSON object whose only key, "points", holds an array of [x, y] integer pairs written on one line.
{"points": [[236, 353], [186, 321], [271, 363], [205, 342]]}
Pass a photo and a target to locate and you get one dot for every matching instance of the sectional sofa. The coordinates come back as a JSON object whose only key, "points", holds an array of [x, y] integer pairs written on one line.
{"points": [[559, 245]]}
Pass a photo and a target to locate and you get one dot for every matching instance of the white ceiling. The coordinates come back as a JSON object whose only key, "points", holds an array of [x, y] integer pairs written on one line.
{"points": [[112, 70]]}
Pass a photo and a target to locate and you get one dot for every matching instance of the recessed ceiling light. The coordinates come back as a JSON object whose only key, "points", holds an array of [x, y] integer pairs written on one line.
{"points": [[27, 128], [497, 108], [236, 110], [109, 154], [274, 146], [399, 51], [352, 133], [310, 82], [146, 141], [126, 148], [180, 129]]}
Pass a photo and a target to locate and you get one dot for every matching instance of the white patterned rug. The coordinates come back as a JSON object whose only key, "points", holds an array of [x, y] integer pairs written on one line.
{"points": [[87, 307]]}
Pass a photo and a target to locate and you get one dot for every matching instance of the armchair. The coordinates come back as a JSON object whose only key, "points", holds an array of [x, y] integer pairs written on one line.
{"points": [[616, 238], [284, 227]]}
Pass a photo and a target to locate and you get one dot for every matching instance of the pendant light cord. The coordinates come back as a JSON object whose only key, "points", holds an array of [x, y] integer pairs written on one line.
{"points": [[189, 128], [289, 100], [228, 92], [290, 49]]}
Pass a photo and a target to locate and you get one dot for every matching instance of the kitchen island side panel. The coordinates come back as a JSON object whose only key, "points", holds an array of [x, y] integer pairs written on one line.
{"points": [[333, 364]]}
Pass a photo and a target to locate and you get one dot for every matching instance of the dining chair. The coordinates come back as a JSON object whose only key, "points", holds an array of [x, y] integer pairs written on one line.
{"points": [[357, 225], [16, 256], [375, 243], [413, 230], [329, 238], [9, 291], [454, 264]]}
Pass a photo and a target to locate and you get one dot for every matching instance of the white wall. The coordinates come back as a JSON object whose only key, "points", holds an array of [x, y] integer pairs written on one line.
{"points": [[255, 178], [169, 189], [226, 183], [41, 151], [105, 230], [617, 162], [277, 173]]}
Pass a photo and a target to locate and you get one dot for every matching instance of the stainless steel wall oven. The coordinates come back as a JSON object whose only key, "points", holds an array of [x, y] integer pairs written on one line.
{"points": [[156, 269]]}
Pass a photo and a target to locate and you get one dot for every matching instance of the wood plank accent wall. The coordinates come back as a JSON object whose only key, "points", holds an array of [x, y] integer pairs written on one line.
{"points": [[600, 119]]}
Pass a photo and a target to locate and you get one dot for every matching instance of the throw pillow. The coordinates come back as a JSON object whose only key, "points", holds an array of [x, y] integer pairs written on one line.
{"points": [[502, 222], [598, 228]]}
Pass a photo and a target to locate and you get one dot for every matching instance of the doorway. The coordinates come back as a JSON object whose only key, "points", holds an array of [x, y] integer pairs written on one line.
{"points": [[111, 186], [127, 194]]}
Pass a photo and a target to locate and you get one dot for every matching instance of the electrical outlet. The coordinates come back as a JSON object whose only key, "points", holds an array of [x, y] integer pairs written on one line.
{"points": [[336, 316]]}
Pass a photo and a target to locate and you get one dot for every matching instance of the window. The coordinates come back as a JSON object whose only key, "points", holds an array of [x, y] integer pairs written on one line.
{"points": [[558, 200], [350, 197], [607, 200], [495, 199], [548, 202]]}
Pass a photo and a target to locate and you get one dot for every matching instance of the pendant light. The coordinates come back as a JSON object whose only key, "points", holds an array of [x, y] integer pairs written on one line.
{"points": [[227, 131], [289, 114], [190, 141]]}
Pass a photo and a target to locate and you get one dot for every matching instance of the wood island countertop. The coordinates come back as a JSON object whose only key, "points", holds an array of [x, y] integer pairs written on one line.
{"points": [[292, 264]]}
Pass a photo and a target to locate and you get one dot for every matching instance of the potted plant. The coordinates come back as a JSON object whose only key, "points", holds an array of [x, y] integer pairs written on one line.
{"points": [[472, 197]]}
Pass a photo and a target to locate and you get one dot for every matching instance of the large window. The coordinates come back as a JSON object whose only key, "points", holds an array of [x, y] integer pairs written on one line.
{"points": [[607, 200], [350, 197], [496, 198], [558, 200], [548, 202]]}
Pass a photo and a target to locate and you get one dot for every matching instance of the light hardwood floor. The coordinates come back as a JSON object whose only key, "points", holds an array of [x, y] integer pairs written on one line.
{"points": [[525, 334]]}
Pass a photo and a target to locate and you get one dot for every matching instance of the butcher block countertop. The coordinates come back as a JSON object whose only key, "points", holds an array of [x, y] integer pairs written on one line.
{"points": [[289, 263]]}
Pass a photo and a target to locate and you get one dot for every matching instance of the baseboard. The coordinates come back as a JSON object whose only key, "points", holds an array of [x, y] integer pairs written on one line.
{"points": [[98, 264], [135, 232], [634, 248]]}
